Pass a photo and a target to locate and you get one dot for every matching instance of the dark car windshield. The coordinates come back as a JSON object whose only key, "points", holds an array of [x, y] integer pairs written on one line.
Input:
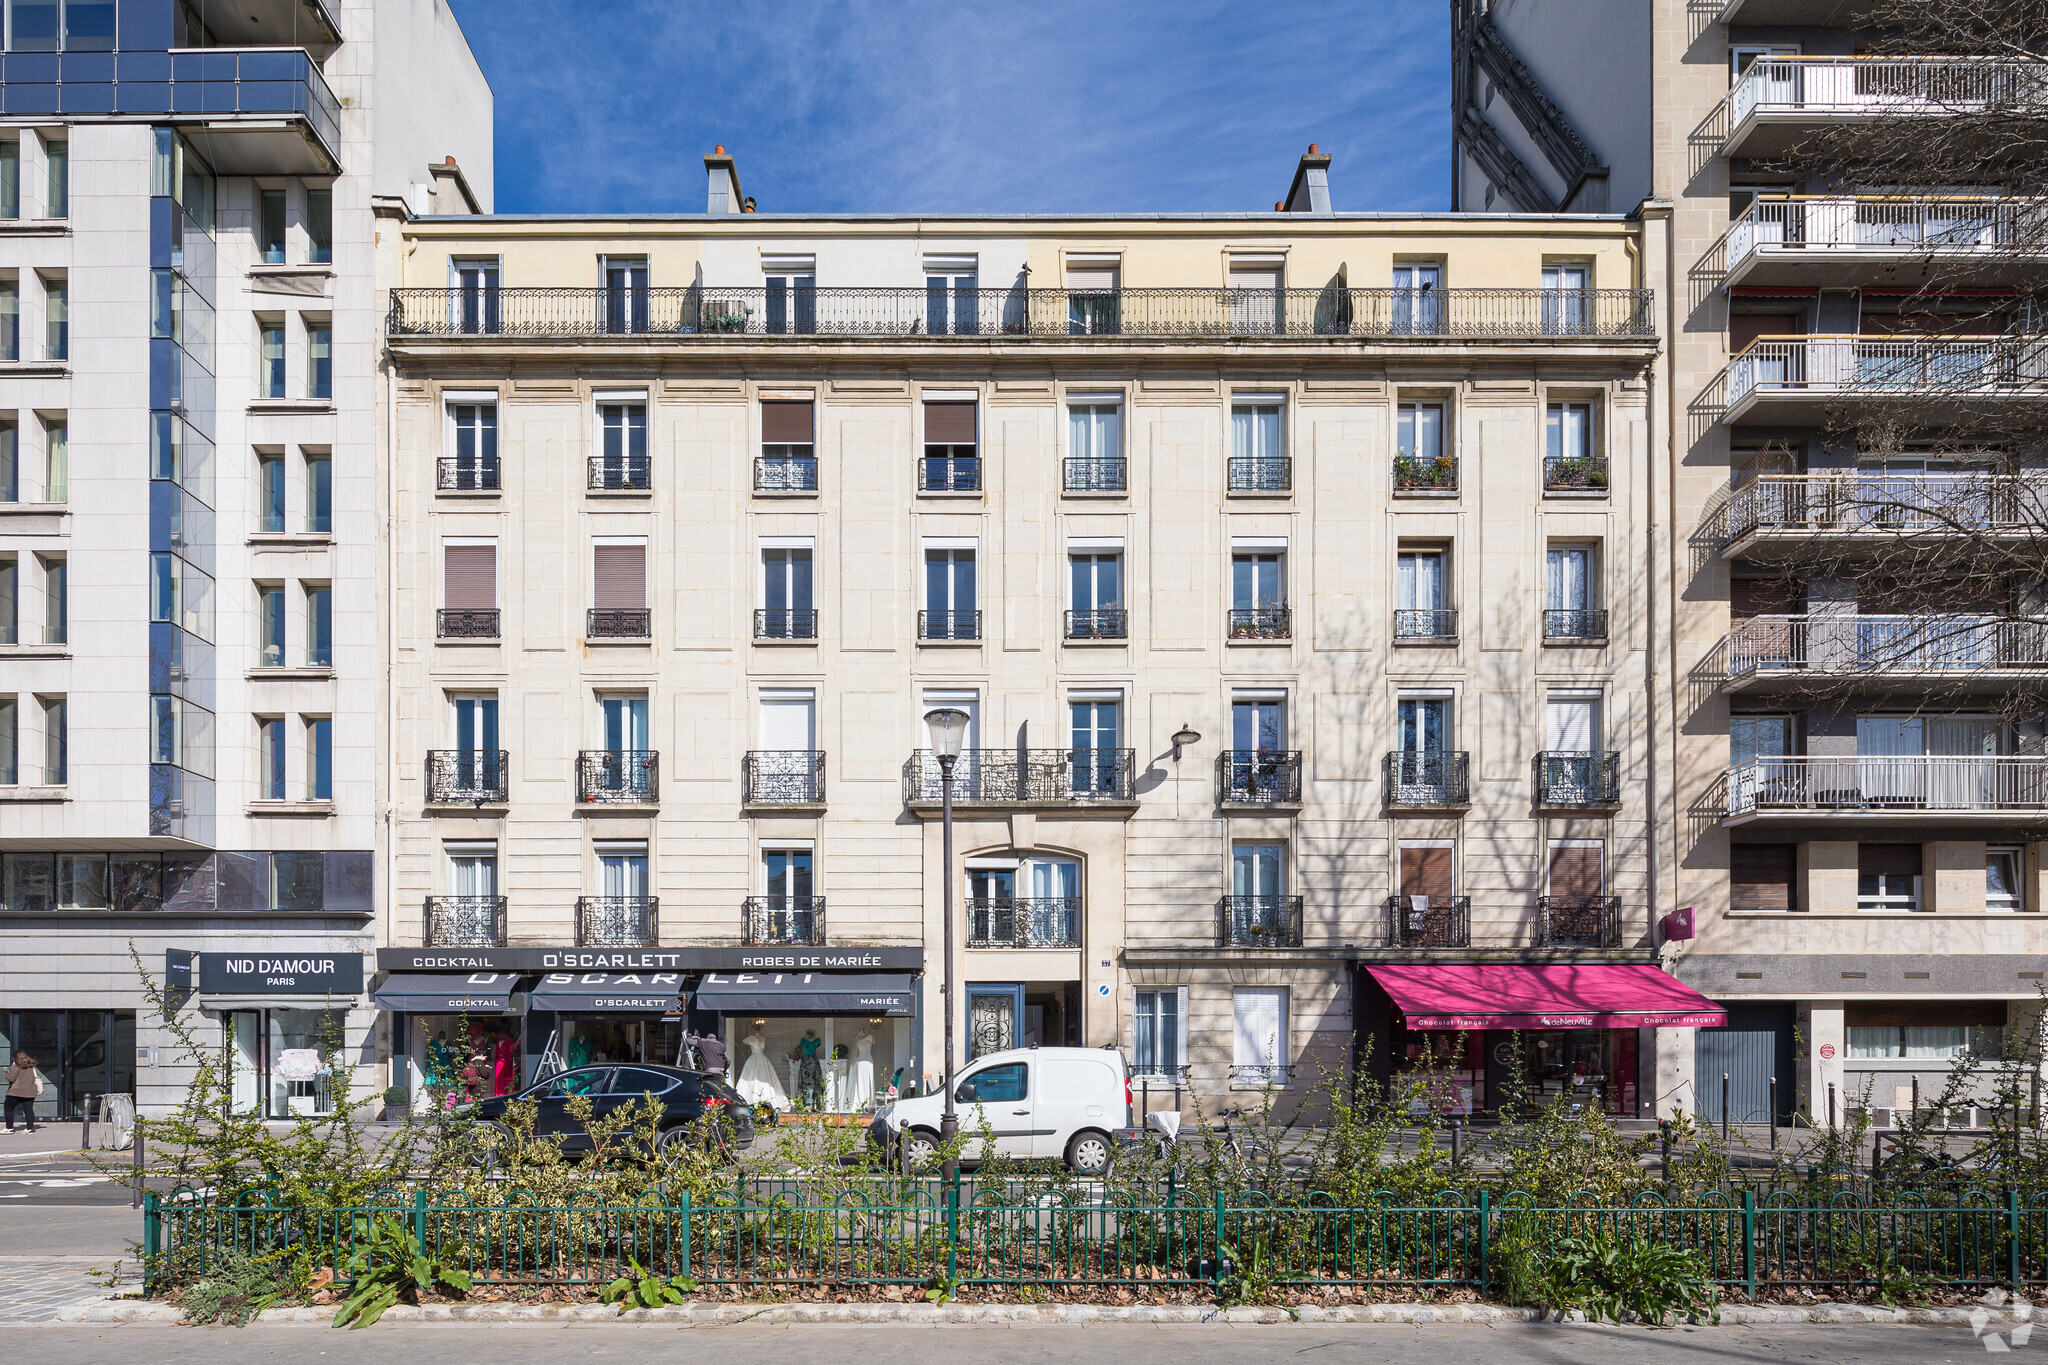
{"points": [[588, 1081]]}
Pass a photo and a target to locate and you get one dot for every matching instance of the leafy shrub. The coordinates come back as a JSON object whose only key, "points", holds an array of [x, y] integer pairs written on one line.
{"points": [[237, 1286], [386, 1264], [1606, 1277]]}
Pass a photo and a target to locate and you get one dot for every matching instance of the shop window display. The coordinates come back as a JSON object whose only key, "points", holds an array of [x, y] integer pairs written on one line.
{"points": [[308, 1061], [474, 1059], [819, 1065]]}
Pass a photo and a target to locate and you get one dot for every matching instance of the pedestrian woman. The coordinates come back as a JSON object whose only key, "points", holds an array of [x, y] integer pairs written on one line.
{"points": [[23, 1086]]}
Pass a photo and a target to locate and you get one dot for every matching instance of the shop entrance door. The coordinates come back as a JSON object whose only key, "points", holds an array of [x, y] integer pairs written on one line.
{"points": [[995, 1014], [80, 1053]]}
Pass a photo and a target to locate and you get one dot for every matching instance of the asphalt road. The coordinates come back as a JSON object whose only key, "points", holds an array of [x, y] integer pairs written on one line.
{"points": [[75, 1214], [627, 1344]]}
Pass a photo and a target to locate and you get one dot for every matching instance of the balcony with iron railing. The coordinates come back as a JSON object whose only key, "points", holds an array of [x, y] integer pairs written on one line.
{"points": [[468, 777], [617, 921], [1025, 777], [1578, 921], [1802, 380], [1880, 506], [786, 623], [618, 777], [717, 314], [1574, 625], [1575, 473], [1842, 241], [621, 473], [1578, 778], [949, 474], [1427, 778], [1098, 624], [1260, 623], [467, 474], [785, 922], [1778, 101], [1262, 921], [785, 474], [1425, 626], [1429, 921], [1875, 786], [1258, 777], [1425, 475], [1950, 647], [1024, 922], [1260, 474], [466, 623], [783, 777], [618, 623], [463, 922], [949, 627], [1096, 474]]}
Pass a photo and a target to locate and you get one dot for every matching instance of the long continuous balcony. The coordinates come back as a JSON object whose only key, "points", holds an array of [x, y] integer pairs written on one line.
{"points": [[463, 922], [1258, 922], [1578, 921], [468, 776], [717, 313], [618, 777], [783, 777], [1995, 650], [1822, 241], [1429, 921], [785, 922], [1428, 778], [617, 921], [1880, 506], [1780, 100], [1024, 922], [1874, 785], [1800, 379], [1026, 777], [1578, 778], [1258, 777]]}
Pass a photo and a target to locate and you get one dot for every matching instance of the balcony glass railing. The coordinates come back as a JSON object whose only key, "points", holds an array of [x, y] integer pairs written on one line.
{"points": [[190, 85]]}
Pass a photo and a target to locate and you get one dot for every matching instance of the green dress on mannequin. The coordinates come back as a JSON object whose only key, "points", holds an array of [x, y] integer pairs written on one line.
{"points": [[810, 1073]]}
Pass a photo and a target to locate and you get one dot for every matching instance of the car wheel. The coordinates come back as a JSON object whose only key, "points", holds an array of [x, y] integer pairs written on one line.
{"points": [[494, 1145], [1089, 1152], [921, 1147]]}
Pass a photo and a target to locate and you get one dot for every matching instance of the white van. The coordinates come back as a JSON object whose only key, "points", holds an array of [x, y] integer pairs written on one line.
{"points": [[1054, 1103]]}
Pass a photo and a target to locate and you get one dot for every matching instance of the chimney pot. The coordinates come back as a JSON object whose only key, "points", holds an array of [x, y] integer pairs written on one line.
{"points": [[447, 161], [1313, 149], [720, 149], [1279, 207]]}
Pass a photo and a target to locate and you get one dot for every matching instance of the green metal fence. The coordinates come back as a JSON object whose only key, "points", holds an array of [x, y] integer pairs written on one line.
{"points": [[780, 1240]]}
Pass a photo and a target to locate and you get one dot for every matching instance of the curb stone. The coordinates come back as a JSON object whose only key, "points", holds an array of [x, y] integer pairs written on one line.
{"points": [[1033, 1315]]}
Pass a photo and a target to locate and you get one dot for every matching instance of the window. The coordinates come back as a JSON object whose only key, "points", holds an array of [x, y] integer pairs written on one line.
{"points": [[1888, 877], [469, 590], [10, 178], [319, 626], [786, 874], [270, 758], [1257, 724], [1092, 299], [787, 609], [1258, 870], [1423, 724], [472, 869], [952, 296], [180, 595], [269, 492], [181, 735], [270, 623], [473, 291], [319, 227], [10, 462], [1925, 1042], [788, 461], [1095, 606], [10, 600], [1005, 1084], [56, 747], [1565, 299], [319, 359], [1095, 448], [1158, 1018], [1257, 305], [1259, 1043], [625, 294], [1420, 458], [1762, 877], [1257, 464], [1420, 612], [949, 601], [2002, 879], [792, 294], [473, 468], [1417, 299], [56, 462], [319, 495], [57, 165], [319, 758], [56, 600], [56, 320], [1571, 724], [10, 320], [1569, 461], [270, 361], [952, 462], [270, 226], [623, 461], [33, 26], [1258, 595], [1570, 610], [619, 589], [10, 742], [1097, 737]]}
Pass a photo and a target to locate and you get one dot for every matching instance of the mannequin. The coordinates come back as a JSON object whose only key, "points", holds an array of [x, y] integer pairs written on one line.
{"points": [[505, 1069], [579, 1050], [440, 1060], [810, 1073], [758, 1083], [862, 1093]]}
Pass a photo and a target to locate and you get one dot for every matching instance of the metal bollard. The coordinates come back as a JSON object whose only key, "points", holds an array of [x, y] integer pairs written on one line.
{"points": [[139, 1166], [1916, 1097], [1774, 1113], [1664, 1141], [1724, 1106], [1457, 1139], [1831, 1106], [85, 1124]]}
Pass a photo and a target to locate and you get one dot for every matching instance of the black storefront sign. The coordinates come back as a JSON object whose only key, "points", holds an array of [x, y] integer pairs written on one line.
{"points": [[650, 959], [281, 973], [806, 993], [608, 992]]}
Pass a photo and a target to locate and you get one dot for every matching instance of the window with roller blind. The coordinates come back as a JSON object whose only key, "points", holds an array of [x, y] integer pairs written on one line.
{"points": [[1577, 868], [952, 452], [1257, 305], [1093, 298], [1761, 878], [1888, 877], [788, 461], [469, 591], [618, 581]]}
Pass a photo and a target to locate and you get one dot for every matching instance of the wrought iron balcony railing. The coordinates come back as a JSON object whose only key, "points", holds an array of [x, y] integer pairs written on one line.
{"points": [[949, 474], [455, 776], [1261, 623], [715, 312], [618, 623], [1425, 473], [617, 921], [1258, 922], [1878, 503], [1265, 1077], [1575, 473], [1099, 623], [786, 623], [463, 922], [1025, 777], [1429, 921], [785, 921], [1024, 922], [1578, 779], [1827, 367], [1938, 643], [1575, 623], [467, 474], [1261, 473], [1859, 783], [466, 623], [949, 625], [621, 473], [1105, 474], [1578, 921], [622, 777], [1428, 777], [785, 474], [783, 777], [1425, 623], [1259, 777]]}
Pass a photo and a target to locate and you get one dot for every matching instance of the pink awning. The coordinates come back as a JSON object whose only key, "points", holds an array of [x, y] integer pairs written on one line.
{"points": [[1483, 995]]}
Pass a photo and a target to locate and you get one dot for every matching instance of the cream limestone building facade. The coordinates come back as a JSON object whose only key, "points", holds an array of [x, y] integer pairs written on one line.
{"points": [[1295, 569]]}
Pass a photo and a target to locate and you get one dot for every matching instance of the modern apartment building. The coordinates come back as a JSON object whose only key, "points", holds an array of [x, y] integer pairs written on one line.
{"points": [[189, 528], [1857, 803], [1291, 568]]}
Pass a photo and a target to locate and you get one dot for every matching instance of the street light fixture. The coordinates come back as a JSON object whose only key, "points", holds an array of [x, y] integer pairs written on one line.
{"points": [[948, 727], [1187, 737]]}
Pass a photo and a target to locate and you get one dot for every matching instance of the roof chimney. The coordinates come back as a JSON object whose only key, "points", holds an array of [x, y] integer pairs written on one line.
{"points": [[724, 195], [449, 189], [1310, 192]]}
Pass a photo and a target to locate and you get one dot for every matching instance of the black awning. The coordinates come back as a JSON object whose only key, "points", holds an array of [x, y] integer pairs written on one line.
{"points": [[448, 992], [806, 993], [609, 992]]}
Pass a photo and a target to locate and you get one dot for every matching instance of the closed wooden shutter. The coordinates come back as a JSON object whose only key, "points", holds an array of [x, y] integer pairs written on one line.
{"points": [[786, 424], [1426, 872], [1760, 877], [1890, 860], [470, 577], [620, 576], [1575, 871], [949, 424], [1744, 328]]}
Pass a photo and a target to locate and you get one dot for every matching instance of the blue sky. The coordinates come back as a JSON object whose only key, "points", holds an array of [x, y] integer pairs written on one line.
{"points": [[608, 106]]}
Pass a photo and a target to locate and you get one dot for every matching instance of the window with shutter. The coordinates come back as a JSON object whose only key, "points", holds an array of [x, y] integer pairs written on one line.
{"points": [[619, 576], [1575, 870], [786, 424], [1760, 877], [1259, 1035], [1428, 872], [470, 577]]}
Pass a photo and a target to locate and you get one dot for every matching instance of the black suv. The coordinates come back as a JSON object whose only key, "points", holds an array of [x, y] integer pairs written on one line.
{"points": [[683, 1096]]}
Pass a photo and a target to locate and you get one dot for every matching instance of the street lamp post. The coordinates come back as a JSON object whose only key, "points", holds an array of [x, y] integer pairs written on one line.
{"points": [[948, 727]]}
